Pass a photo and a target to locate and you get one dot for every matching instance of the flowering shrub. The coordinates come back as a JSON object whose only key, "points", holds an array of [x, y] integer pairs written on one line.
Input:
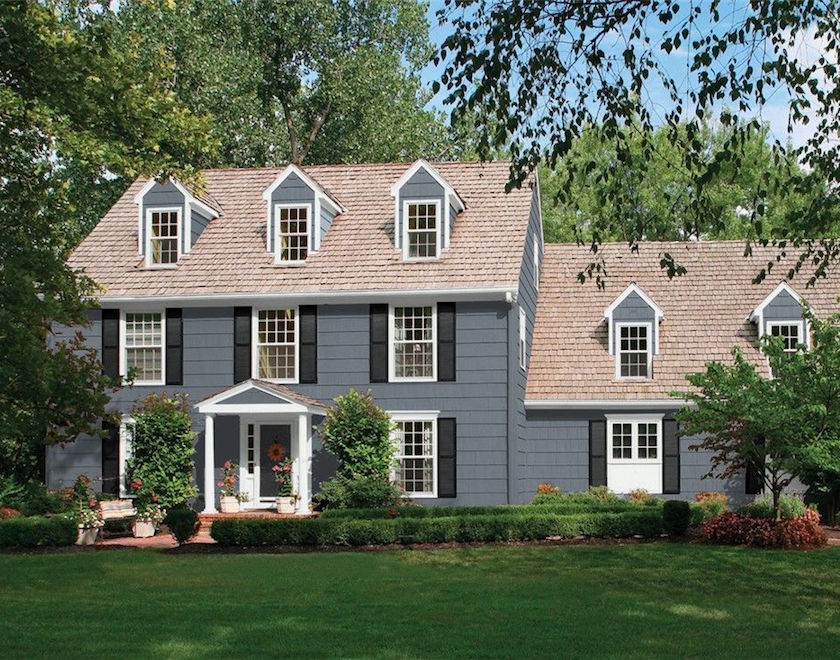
{"points": [[544, 488], [641, 497], [91, 517], [230, 474], [736, 529], [150, 513], [283, 477], [89, 513], [9, 512]]}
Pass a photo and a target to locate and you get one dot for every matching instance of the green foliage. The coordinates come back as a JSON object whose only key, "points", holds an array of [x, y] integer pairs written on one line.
{"points": [[762, 507], [87, 110], [33, 498], [37, 532], [443, 529], [320, 81], [540, 75], [162, 450], [788, 423], [676, 517], [358, 433], [359, 493], [706, 510], [182, 521], [594, 495]]}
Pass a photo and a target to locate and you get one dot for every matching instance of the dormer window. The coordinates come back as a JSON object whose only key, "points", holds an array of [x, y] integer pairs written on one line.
{"points": [[422, 229], [292, 233], [163, 236], [780, 314], [633, 333], [791, 334]]}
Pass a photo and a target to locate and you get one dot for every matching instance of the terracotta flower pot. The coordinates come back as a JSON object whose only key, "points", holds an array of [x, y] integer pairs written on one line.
{"points": [[87, 535], [229, 504], [143, 530], [285, 504]]}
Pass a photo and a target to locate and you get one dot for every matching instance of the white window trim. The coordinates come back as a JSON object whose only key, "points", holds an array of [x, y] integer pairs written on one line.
{"points": [[127, 420], [255, 349], [309, 239], [536, 264], [123, 361], [523, 340], [406, 204], [634, 421], [632, 324], [800, 323], [148, 232], [392, 366], [419, 416]]}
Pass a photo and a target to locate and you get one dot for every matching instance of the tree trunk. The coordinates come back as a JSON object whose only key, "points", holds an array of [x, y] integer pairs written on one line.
{"points": [[777, 509]]}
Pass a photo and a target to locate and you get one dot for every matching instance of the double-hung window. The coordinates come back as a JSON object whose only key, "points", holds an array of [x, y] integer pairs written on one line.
{"points": [[790, 332], [422, 229], [163, 236], [413, 344], [634, 453], [415, 437], [633, 354], [276, 344], [143, 350], [292, 233]]}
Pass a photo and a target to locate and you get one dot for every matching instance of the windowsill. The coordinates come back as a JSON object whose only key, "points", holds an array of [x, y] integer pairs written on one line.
{"points": [[421, 496], [420, 259], [160, 266], [148, 383], [634, 378], [290, 264], [634, 461], [425, 379], [278, 381]]}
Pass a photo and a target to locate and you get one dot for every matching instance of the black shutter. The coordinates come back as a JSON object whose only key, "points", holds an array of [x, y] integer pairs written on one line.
{"points": [[241, 344], [754, 480], [308, 343], [670, 457], [446, 341], [111, 459], [111, 342], [446, 457], [174, 346], [379, 343], [597, 452]]}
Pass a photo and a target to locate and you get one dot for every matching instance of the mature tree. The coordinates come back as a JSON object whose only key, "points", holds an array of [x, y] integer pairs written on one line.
{"points": [[68, 99], [307, 82], [543, 71], [789, 423], [655, 196]]}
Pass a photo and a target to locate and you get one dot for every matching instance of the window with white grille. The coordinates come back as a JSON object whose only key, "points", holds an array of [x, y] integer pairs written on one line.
{"points": [[163, 237], [143, 347], [634, 350], [422, 229], [276, 344], [413, 344], [416, 456], [292, 233]]}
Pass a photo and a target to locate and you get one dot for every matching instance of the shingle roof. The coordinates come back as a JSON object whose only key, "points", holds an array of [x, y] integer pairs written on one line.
{"points": [[357, 254], [705, 314]]}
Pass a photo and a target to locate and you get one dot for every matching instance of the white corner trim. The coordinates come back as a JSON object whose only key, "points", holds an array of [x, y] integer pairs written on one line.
{"points": [[419, 164], [605, 404]]}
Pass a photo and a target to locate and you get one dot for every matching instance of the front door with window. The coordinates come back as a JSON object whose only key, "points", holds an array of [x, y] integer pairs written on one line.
{"points": [[271, 435]]}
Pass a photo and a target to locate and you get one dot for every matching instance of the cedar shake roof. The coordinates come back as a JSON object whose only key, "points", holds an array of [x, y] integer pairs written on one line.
{"points": [[706, 313], [357, 254]]}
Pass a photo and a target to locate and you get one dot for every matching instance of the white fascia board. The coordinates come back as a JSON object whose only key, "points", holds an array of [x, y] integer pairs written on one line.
{"points": [[599, 404], [215, 403], [758, 313], [449, 191], [634, 288], [290, 169], [189, 198], [319, 297]]}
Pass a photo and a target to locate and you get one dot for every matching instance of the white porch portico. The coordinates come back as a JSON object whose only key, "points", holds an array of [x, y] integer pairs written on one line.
{"points": [[268, 414]]}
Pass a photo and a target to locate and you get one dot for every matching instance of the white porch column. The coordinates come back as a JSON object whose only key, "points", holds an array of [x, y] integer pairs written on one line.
{"points": [[209, 465], [304, 435]]}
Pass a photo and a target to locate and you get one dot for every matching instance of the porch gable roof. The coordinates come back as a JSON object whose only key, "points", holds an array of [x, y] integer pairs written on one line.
{"points": [[281, 399]]}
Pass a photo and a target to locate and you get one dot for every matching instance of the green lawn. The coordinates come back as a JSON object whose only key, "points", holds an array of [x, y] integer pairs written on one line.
{"points": [[636, 600]]}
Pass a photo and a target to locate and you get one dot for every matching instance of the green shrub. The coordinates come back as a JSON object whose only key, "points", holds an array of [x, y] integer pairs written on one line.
{"points": [[359, 493], [676, 517], [762, 507], [641, 497], [598, 495], [533, 525], [182, 522], [38, 531]]}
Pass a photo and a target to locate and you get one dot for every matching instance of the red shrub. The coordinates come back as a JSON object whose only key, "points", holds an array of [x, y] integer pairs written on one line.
{"points": [[8, 512], [733, 529], [547, 488]]}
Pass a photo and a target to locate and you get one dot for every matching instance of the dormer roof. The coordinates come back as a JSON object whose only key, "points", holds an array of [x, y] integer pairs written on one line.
{"points": [[203, 201], [758, 313], [450, 192], [634, 288], [326, 198]]}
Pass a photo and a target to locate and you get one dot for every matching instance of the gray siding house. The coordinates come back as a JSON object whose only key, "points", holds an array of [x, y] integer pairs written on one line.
{"points": [[272, 291]]}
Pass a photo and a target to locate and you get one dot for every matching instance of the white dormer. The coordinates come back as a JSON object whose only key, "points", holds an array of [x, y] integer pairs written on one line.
{"points": [[633, 333], [780, 314], [170, 218], [299, 213], [425, 208]]}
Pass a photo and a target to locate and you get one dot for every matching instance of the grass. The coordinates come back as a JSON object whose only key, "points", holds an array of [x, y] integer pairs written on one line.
{"points": [[649, 600]]}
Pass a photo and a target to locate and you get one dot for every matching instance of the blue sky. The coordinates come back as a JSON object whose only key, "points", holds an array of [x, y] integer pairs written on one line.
{"points": [[774, 112]]}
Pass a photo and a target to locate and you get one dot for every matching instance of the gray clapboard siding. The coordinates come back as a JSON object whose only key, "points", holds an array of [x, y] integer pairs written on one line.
{"points": [[783, 307], [292, 190], [199, 224]]}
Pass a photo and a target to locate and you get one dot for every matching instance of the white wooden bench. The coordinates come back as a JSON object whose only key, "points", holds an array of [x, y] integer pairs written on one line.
{"points": [[117, 509]]}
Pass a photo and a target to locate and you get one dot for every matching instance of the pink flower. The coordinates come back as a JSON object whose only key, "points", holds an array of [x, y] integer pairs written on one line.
{"points": [[275, 468], [227, 465], [287, 468], [219, 484]]}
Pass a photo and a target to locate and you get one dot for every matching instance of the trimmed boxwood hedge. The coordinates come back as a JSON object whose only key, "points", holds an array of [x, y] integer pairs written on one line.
{"points": [[433, 529], [556, 508], [37, 531]]}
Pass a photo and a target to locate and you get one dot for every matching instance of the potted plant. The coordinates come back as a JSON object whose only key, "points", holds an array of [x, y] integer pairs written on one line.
{"points": [[149, 517], [229, 498], [90, 515], [286, 499]]}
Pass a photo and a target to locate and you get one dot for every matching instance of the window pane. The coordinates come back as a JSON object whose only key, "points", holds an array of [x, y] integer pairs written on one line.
{"points": [[648, 441], [789, 334], [415, 456], [633, 349], [622, 440], [163, 238], [294, 233], [413, 342], [422, 230], [276, 350], [144, 346]]}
